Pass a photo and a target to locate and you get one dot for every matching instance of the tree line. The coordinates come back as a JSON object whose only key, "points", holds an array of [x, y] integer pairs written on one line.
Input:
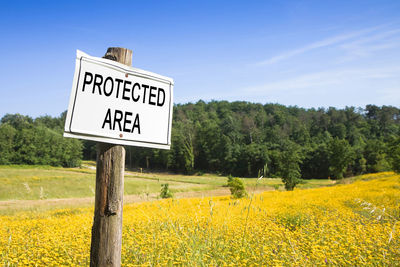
{"points": [[39, 141], [249, 140], [234, 138]]}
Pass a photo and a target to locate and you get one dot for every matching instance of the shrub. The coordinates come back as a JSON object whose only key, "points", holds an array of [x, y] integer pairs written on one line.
{"points": [[165, 193], [237, 188]]}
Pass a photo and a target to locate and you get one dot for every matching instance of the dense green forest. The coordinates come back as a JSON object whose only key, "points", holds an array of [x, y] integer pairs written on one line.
{"points": [[40, 141], [238, 138]]}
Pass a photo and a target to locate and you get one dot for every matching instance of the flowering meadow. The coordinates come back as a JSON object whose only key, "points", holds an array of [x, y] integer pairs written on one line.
{"points": [[344, 224]]}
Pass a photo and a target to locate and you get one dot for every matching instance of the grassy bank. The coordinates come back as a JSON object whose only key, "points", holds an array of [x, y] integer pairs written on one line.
{"points": [[21, 182]]}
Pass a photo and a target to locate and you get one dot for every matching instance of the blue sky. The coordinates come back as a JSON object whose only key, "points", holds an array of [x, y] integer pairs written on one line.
{"points": [[304, 53]]}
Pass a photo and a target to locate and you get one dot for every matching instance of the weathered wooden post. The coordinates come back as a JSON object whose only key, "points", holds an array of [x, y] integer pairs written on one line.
{"points": [[106, 243]]}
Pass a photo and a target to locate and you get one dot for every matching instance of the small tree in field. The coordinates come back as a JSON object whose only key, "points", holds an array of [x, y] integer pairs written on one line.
{"points": [[165, 193], [237, 188], [289, 168]]}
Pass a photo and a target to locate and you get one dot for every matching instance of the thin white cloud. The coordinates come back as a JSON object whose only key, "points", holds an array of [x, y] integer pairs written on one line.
{"points": [[322, 80], [316, 45], [375, 37], [371, 44], [334, 85]]}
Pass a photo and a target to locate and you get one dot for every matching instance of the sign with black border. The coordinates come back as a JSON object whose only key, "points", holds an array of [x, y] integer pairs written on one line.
{"points": [[114, 103]]}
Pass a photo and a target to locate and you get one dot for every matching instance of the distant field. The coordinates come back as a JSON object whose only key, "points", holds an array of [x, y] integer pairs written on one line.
{"points": [[44, 182]]}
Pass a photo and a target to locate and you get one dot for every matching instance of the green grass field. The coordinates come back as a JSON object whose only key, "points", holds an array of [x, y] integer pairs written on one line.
{"points": [[21, 182]]}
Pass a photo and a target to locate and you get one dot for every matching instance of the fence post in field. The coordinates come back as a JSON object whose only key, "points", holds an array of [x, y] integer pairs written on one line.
{"points": [[105, 248]]}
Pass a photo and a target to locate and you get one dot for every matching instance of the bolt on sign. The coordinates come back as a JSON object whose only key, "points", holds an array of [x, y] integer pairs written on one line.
{"points": [[114, 103]]}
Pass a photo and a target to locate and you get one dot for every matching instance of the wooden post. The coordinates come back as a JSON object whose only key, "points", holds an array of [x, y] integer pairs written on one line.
{"points": [[105, 249]]}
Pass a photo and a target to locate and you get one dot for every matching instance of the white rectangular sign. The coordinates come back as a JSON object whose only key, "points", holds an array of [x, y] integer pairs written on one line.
{"points": [[114, 103]]}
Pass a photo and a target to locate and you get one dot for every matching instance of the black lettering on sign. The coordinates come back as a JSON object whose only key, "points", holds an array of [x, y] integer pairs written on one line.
{"points": [[125, 90], [136, 99], [85, 81], [136, 124], [160, 101], [118, 118], [107, 119], [105, 86], [119, 81], [152, 88], [127, 121], [144, 86], [151, 95], [97, 83]]}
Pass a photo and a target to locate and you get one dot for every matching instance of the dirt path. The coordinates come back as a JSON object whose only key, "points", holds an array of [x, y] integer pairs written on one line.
{"points": [[14, 205]]}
